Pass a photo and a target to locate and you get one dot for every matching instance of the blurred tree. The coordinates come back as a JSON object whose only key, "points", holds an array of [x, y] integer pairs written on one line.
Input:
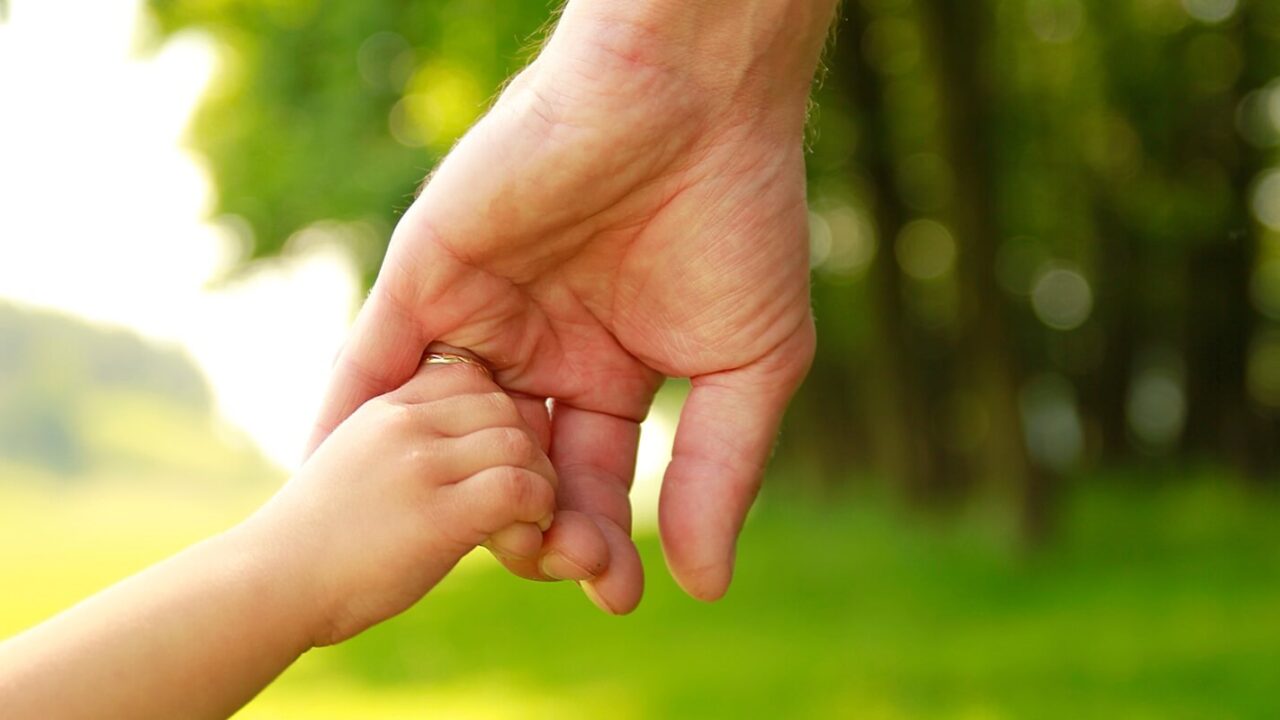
{"points": [[1222, 316], [904, 434], [330, 110]]}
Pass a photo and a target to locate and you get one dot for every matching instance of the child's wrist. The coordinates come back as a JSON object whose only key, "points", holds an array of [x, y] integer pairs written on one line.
{"points": [[275, 569]]}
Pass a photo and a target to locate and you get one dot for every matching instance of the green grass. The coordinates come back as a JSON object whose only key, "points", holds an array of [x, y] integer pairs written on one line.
{"points": [[1160, 604]]}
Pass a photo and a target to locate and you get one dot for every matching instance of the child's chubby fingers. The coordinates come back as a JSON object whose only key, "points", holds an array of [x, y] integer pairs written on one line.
{"points": [[461, 415], [515, 543], [457, 458], [498, 497], [572, 549]]}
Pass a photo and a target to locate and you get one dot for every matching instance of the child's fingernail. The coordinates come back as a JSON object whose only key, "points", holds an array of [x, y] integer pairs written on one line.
{"points": [[545, 523], [595, 597], [557, 566]]}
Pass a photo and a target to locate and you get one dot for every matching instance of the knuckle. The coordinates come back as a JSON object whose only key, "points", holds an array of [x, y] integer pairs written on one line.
{"points": [[384, 412], [544, 498], [376, 406], [502, 405], [399, 418], [495, 407], [514, 484], [421, 456], [529, 492], [531, 496], [512, 490], [516, 445], [517, 495]]}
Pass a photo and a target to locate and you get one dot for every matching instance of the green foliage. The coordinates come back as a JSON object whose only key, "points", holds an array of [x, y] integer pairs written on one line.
{"points": [[330, 110]]}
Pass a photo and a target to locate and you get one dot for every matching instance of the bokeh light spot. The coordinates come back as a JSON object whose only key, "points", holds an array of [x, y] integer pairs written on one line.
{"points": [[1061, 297], [1258, 117], [1210, 11], [1266, 199], [853, 242], [441, 103], [1264, 369], [925, 250], [819, 240], [1265, 288], [1055, 21], [1051, 421], [1156, 406]]}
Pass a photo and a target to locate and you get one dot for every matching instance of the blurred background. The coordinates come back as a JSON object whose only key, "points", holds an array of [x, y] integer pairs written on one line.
{"points": [[1034, 472]]}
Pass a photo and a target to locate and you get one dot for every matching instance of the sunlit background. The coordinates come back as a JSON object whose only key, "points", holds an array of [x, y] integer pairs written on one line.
{"points": [[1034, 472], [106, 218], [109, 217]]}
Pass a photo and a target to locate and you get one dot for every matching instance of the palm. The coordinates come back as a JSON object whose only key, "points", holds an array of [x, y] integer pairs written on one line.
{"points": [[588, 245]]}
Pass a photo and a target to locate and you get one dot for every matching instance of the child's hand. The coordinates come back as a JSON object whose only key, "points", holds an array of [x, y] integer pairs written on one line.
{"points": [[403, 489]]}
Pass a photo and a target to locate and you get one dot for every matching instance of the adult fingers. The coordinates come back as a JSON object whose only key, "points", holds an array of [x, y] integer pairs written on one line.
{"points": [[536, 416], [726, 433], [595, 457], [613, 589], [382, 352]]}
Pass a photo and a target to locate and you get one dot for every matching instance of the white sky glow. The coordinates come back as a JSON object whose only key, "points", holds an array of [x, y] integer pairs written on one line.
{"points": [[103, 215]]}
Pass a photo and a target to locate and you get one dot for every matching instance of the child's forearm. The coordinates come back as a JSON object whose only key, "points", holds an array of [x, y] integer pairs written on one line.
{"points": [[196, 636]]}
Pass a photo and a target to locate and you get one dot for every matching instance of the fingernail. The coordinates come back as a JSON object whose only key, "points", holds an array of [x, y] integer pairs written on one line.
{"points": [[557, 566], [506, 554], [545, 523], [595, 597]]}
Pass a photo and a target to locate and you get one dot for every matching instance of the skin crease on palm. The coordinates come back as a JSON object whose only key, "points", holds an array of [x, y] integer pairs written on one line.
{"points": [[632, 207]]}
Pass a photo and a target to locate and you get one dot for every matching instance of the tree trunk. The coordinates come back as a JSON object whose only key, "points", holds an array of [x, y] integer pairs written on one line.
{"points": [[905, 435], [1223, 418], [961, 30]]}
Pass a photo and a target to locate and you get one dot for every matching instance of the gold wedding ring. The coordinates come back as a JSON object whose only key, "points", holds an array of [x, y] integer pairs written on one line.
{"points": [[446, 358]]}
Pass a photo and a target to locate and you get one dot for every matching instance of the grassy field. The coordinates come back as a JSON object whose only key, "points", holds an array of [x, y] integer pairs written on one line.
{"points": [[1159, 604]]}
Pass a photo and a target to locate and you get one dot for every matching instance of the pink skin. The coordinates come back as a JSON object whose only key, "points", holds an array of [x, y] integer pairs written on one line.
{"points": [[633, 207]]}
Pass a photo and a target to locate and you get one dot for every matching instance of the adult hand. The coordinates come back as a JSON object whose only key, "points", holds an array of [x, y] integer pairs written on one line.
{"points": [[632, 207]]}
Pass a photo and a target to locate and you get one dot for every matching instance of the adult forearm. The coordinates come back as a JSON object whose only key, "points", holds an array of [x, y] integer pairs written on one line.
{"points": [[196, 636]]}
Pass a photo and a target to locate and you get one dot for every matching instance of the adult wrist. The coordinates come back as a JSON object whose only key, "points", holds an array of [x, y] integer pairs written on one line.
{"points": [[747, 47]]}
